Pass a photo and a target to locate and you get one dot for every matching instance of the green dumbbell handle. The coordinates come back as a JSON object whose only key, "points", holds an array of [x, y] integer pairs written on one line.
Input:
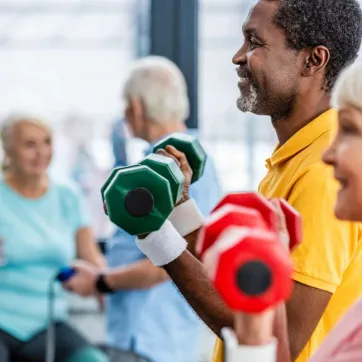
{"points": [[191, 147]]}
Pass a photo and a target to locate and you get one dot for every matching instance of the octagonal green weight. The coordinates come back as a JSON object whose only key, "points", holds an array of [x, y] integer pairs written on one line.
{"points": [[191, 147], [167, 167], [108, 181], [138, 200]]}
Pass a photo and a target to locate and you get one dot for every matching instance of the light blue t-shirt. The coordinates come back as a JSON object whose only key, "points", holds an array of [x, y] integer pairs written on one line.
{"points": [[157, 323], [38, 238]]}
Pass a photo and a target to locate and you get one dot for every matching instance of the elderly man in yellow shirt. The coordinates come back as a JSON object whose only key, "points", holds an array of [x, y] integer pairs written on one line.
{"points": [[291, 56]]}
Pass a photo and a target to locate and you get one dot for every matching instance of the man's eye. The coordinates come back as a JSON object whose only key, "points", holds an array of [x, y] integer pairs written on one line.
{"points": [[253, 43]]}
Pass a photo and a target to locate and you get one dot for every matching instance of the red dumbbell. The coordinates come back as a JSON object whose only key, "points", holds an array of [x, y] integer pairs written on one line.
{"points": [[225, 216], [250, 269], [252, 200], [242, 209], [257, 201], [293, 222]]}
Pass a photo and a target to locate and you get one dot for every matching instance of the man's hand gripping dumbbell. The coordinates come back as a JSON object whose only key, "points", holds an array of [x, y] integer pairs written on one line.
{"points": [[167, 247], [245, 245], [140, 198]]}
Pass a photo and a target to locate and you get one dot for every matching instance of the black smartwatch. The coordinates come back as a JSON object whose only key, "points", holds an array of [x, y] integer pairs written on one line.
{"points": [[102, 286]]}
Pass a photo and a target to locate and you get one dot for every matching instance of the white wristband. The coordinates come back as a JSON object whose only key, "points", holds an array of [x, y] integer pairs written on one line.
{"points": [[237, 353], [162, 246], [186, 217]]}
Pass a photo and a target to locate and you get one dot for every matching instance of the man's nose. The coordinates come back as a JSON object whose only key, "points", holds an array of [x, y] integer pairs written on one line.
{"points": [[240, 57]]}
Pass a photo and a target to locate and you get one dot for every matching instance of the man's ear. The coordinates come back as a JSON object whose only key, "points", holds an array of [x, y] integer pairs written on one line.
{"points": [[315, 60], [137, 107]]}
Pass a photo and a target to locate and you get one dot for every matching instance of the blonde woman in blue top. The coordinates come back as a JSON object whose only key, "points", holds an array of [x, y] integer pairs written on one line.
{"points": [[43, 226]]}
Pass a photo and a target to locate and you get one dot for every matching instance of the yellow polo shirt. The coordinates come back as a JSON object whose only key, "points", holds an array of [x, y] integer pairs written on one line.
{"points": [[330, 256]]}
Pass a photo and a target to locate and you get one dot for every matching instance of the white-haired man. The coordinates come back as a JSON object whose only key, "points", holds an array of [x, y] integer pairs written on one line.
{"points": [[147, 315]]}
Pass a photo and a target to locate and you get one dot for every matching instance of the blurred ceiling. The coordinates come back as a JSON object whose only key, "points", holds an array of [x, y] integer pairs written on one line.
{"points": [[87, 23], [65, 23]]}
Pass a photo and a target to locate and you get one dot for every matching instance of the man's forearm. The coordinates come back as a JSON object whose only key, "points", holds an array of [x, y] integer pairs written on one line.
{"points": [[190, 277], [191, 242], [140, 275]]}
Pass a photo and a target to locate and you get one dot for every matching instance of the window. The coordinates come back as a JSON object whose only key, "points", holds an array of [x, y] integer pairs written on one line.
{"points": [[66, 60], [240, 142]]}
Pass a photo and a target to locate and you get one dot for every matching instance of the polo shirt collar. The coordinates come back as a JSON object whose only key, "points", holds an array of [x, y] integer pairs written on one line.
{"points": [[303, 138]]}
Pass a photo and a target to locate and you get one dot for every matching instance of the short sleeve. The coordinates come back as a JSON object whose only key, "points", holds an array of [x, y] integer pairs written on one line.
{"points": [[328, 244], [74, 207]]}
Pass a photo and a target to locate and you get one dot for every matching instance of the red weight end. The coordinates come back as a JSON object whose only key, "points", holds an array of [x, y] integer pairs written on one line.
{"points": [[226, 216], [252, 200], [294, 224], [238, 246]]}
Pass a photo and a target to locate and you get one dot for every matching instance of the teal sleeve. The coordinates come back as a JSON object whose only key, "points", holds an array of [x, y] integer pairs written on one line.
{"points": [[76, 209]]}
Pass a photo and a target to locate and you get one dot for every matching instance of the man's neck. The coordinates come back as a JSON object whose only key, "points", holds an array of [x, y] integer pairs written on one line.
{"points": [[303, 112], [157, 131]]}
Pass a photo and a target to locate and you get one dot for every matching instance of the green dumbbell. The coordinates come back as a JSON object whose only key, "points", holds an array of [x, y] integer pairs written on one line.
{"points": [[140, 198], [164, 166], [167, 168], [107, 182], [191, 147]]}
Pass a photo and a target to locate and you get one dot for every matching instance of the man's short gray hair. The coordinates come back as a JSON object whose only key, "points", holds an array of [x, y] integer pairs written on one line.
{"points": [[161, 87], [348, 88]]}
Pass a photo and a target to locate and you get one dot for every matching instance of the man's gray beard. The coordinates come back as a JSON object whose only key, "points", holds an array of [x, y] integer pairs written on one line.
{"points": [[249, 103]]}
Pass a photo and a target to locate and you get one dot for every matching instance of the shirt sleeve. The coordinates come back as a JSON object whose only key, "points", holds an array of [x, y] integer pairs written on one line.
{"points": [[328, 244], [75, 208]]}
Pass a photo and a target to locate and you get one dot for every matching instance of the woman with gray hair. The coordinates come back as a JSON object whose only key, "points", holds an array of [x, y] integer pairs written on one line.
{"points": [[253, 333], [43, 226]]}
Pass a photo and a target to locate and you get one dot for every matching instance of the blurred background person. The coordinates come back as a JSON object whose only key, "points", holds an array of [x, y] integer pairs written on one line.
{"points": [[119, 142], [147, 315], [43, 226]]}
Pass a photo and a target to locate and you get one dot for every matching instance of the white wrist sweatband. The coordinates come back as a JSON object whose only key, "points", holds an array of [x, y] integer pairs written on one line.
{"points": [[162, 246], [186, 217], [237, 353]]}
